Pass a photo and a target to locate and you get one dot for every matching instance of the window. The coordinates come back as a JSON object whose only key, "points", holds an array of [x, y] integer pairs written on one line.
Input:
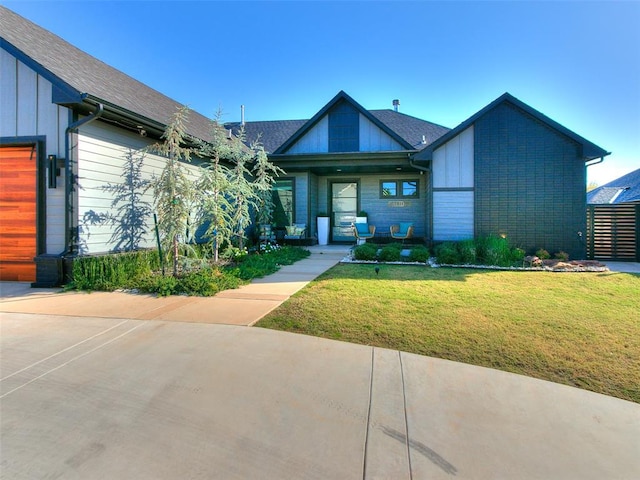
{"points": [[388, 189], [283, 202], [399, 188], [410, 188]]}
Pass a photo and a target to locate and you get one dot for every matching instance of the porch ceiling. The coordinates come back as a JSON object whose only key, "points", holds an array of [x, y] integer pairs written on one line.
{"points": [[348, 163]]}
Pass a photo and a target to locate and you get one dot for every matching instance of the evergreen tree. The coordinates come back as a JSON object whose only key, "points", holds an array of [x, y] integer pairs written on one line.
{"points": [[173, 191], [213, 187], [242, 194], [264, 173]]}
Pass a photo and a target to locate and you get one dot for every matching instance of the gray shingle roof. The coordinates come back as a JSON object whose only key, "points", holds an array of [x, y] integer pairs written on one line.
{"points": [[85, 74], [621, 190], [272, 133], [410, 129]]}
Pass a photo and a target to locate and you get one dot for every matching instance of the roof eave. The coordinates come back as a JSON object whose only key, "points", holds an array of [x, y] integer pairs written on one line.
{"points": [[63, 93]]}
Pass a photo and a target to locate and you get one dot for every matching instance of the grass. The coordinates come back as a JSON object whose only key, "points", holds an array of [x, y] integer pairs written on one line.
{"points": [[578, 329]]}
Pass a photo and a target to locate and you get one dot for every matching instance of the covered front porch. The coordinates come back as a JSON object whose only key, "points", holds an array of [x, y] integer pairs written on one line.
{"points": [[389, 192]]}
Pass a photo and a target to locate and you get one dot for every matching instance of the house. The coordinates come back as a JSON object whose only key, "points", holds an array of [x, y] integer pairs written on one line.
{"points": [[507, 170], [72, 127], [346, 159], [69, 127], [625, 189]]}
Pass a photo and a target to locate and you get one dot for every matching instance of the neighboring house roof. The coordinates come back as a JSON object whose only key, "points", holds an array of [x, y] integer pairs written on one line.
{"points": [[621, 190], [590, 151], [408, 131], [77, 76]]}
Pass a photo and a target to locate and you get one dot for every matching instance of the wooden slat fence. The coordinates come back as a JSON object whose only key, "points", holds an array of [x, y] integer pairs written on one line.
{"points": [[613, 232]]}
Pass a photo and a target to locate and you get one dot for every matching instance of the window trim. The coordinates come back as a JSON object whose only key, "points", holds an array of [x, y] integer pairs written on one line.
{"points": [[399, 188]]}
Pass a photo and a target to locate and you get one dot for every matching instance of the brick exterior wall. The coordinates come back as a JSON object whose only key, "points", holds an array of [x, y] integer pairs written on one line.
{"points": [[530, 183]]}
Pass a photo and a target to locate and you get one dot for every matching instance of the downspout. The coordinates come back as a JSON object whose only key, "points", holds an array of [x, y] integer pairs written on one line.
{"points": [[69, 176], [589, 229]]}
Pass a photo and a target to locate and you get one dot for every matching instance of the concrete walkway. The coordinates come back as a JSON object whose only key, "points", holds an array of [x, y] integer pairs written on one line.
{"points": [[105, 393], [623, 267], [243, 306]]}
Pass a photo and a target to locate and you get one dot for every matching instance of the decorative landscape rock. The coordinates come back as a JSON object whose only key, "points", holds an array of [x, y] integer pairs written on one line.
{"points": [[530, 263]]}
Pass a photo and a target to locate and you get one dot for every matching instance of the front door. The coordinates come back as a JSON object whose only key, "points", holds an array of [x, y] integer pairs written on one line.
{"points": [[344, 207], [18, 213]]}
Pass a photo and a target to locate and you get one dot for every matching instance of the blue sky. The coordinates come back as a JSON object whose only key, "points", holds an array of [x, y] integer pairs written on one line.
{"points": [[577, 62]]}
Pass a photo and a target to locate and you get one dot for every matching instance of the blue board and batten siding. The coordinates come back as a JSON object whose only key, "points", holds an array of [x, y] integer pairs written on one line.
{"points": [[373, 139], [316, 140], [530, 182], [370, 137], [453, 188], [27, 112]]}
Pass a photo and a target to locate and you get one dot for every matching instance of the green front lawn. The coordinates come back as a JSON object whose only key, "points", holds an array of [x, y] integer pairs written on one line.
{"points": [[579, 329]]}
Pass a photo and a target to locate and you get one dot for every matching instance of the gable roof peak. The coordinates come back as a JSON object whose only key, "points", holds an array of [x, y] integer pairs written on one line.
{"points": [[590, 150], [341, 96]]}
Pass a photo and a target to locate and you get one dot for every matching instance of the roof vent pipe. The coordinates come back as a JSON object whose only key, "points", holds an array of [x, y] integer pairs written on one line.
{"points": [[242, 115], [396, 105]]}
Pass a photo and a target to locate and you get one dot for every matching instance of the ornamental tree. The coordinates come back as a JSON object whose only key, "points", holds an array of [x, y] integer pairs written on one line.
{"points": [[173, 190]]}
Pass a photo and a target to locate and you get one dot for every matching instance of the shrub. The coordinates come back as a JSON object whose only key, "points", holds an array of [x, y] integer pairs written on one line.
{"points": [[190, 264], [365, 252], [390, 253], [159, 284], [140, 270], [234, 253], [207, 282], [493, 250], [447, 253], [419, 254], [467, 251], [204, 282], [542, 254], [517, 255], [113, 271], [490, 250], [564, 256]]}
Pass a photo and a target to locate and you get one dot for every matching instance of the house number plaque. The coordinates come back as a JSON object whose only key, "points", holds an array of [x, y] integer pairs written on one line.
{"points": [[398, 204]]}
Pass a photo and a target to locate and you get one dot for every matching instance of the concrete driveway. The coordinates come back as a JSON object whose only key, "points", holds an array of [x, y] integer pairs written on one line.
{"points": [[92, 398], [111, 385]]}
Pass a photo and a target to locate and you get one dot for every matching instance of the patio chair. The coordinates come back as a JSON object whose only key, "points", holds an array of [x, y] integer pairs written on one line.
{"points": [[295, 231], [362, 232], [402, 231]]}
